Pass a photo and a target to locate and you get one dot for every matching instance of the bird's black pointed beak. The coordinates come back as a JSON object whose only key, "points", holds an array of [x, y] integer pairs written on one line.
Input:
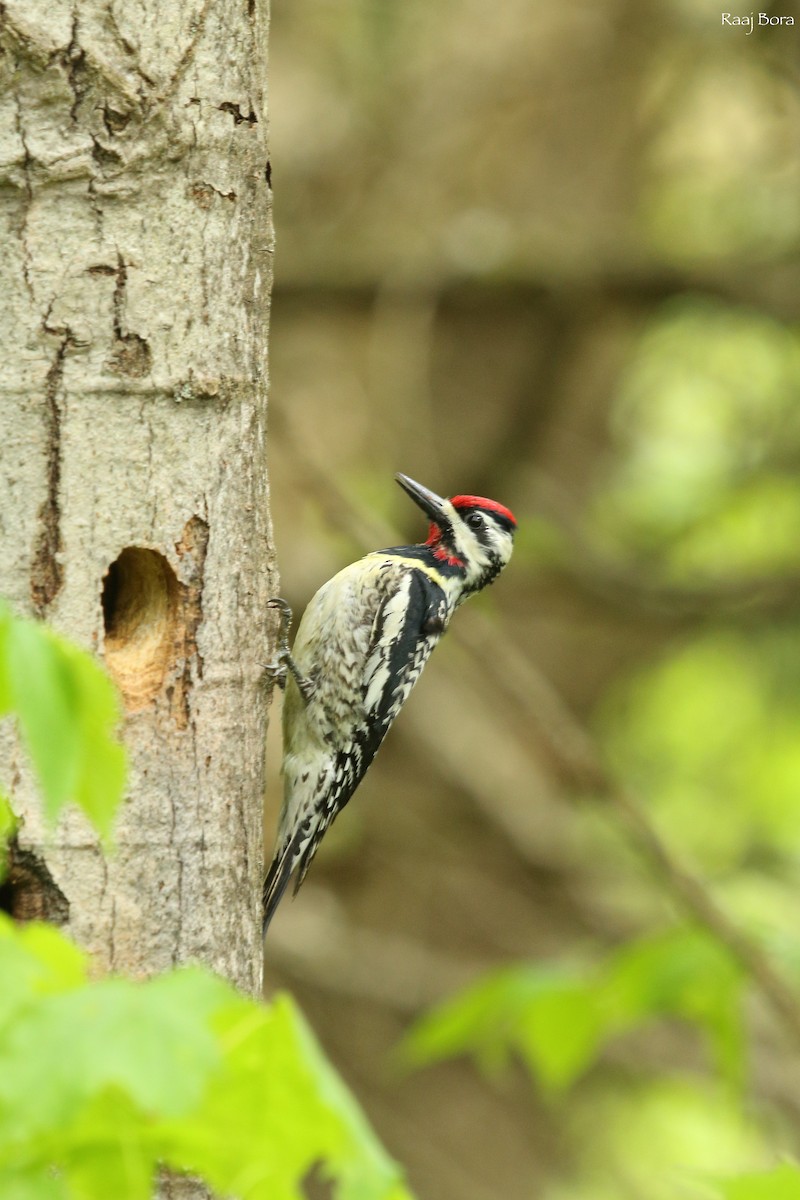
{"points": [[431, 504]]}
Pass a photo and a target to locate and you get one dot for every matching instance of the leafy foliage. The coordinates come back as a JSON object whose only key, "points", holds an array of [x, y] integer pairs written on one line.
{"points": [[67, 710], [7, 827], [559, 1020], [103, 1081], [709, 735], [783, 1183], [707, 432]]}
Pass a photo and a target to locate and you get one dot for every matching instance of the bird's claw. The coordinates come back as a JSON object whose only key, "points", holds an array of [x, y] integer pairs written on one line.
{"points": [[284, 623], [279, 603], [277, 670]]}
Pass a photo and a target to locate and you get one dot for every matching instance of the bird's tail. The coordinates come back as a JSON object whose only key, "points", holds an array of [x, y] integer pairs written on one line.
{"points": [[277, 879]]}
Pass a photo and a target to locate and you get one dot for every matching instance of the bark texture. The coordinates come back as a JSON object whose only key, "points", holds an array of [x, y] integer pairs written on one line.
{"points": [[136, 268]]}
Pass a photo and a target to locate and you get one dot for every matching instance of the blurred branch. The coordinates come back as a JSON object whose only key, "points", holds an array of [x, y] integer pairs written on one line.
{"points": [[756, 597], [772, 287], [533, 700]]}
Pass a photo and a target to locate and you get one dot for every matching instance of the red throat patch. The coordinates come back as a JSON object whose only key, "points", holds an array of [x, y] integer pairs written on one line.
{"points": [[439, 551]]}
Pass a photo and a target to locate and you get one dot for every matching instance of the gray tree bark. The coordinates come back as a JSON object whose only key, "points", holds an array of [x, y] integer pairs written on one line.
{"points": [[135, 243]]}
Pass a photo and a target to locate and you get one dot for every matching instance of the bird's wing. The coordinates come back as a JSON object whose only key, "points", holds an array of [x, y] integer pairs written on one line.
{"points": [[407, 626]]}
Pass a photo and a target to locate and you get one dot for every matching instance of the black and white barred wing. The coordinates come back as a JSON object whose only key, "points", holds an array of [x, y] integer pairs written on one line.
{"points": [[407, 626]]}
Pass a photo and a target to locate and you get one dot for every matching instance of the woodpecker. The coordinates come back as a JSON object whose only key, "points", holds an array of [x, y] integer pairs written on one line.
{"points": [[359, 650]]}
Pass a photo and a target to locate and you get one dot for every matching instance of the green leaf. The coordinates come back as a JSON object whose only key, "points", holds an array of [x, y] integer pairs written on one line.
{"points": [[101, 780], [62, 965], [5, 689], [35, 960], [101, 1081], [8, 822], [110, 1151], [560, 1019], [686, 973], [478, 1020], [32, 1183], [547, 1014], [364, 1169], [67, 709], [43, 697], [86, 1069], [782, 1183], [8, 825], [151, 1040], [273, 1111], [561, 1034]]}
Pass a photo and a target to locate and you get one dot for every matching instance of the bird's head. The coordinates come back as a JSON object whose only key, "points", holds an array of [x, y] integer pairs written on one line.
{"points": [[471, 533]]}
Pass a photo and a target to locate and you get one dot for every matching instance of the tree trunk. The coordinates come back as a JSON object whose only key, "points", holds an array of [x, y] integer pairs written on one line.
{"points": [[136, 268]]}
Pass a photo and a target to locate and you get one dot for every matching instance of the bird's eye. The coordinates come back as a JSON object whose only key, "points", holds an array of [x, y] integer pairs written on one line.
{"points": [[475, 521]]}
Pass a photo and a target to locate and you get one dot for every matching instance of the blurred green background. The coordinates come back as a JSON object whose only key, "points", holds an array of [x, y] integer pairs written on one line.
{"points": [[548, 252]]}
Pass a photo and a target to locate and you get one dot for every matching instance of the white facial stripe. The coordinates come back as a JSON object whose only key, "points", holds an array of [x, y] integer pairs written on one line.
{"points": [[479, 547]]}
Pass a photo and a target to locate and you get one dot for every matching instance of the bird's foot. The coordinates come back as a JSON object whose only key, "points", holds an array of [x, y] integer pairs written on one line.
{"points": [[283, 663], [285, 621], [276, 670]]}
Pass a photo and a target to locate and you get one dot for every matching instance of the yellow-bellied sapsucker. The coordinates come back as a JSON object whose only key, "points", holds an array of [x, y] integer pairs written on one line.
{"points": [[360, 648]]}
